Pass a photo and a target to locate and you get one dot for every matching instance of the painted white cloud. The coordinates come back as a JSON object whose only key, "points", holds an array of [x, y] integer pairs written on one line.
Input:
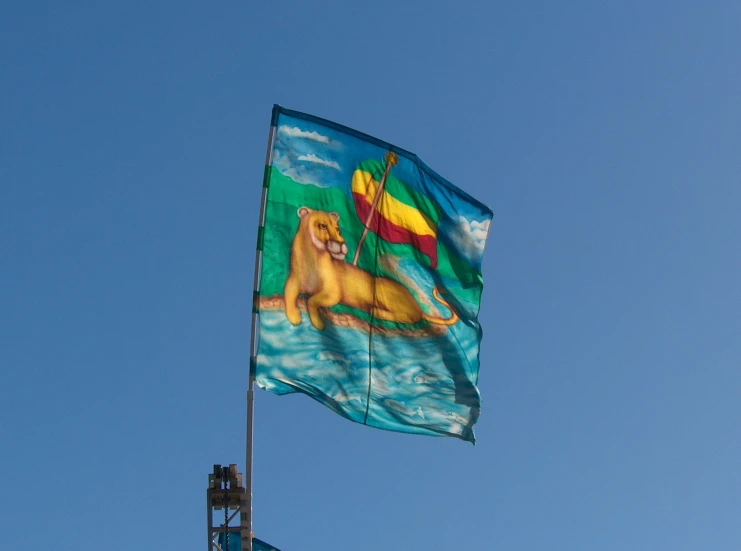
{"points": [[470, 237], [295, 132], [311, 158], [298, 173]]}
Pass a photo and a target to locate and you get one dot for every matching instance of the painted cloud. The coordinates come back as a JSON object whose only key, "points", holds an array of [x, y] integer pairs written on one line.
{"points": [[295, 132], [311, 158], [469, 236]]}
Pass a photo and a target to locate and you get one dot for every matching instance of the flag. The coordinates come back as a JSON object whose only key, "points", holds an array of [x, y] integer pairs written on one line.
{"points": [[402, 215], [370, 281], [235, 542]]}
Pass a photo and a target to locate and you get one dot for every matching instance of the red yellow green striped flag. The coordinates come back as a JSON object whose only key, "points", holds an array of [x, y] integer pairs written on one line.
{"points": [[402, 215]]}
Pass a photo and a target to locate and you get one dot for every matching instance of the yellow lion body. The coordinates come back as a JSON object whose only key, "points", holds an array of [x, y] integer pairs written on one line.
{"points": [[318, 269]]}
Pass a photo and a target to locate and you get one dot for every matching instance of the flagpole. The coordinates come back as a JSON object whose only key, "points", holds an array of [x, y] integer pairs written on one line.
{"points": [[246, 501], [391, 160]]}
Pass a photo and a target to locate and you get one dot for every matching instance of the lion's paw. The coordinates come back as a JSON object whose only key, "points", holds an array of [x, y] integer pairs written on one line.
{"points": [[317, 322]]}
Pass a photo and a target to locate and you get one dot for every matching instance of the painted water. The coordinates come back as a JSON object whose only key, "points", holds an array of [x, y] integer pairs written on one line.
{"points": [[417, 384]]}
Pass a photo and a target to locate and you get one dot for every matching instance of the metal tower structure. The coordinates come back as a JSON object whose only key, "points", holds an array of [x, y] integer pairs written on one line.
{"points": [[225, 492]]}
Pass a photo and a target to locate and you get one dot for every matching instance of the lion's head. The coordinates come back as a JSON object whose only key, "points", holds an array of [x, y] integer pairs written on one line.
{"points": [[324, 231]]}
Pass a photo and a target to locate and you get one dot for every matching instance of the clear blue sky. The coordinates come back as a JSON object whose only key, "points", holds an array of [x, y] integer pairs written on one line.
{"points": [[604, 135]]}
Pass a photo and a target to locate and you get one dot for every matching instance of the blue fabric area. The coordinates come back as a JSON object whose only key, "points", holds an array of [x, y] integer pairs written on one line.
{"points": [[278, 110], [235, 543]]}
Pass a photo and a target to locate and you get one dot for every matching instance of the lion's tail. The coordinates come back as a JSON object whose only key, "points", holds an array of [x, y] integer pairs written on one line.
{"points": [[442, 321]]}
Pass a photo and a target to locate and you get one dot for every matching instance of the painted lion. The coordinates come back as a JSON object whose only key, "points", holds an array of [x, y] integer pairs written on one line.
{"points": [[319, 270]]}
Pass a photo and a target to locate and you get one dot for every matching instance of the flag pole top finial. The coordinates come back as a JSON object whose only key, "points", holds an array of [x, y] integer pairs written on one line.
{"points": [[391, 158]]}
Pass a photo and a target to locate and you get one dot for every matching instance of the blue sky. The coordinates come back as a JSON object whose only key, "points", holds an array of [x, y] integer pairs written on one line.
{"points": [[605, 136]]}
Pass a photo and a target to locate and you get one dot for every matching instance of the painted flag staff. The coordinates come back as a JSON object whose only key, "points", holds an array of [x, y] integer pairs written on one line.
{"points": [[391, 160]]}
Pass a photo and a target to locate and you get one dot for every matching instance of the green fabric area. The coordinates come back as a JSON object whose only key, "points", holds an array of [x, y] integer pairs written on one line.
{"points": [[286, 197], [402, 192]]}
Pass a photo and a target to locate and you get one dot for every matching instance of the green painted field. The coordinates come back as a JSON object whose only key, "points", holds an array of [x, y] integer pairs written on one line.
{"points": [[286, 196]]}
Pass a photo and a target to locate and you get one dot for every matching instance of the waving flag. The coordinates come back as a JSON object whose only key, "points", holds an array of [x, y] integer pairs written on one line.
{"points": [[370, 281]]}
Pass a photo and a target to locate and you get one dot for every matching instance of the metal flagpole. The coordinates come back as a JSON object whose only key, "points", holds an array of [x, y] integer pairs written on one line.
{"points": [[246, 504]]}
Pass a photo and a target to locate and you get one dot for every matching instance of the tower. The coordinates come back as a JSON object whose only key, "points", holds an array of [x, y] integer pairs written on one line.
{"points": [[225, 492]]}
